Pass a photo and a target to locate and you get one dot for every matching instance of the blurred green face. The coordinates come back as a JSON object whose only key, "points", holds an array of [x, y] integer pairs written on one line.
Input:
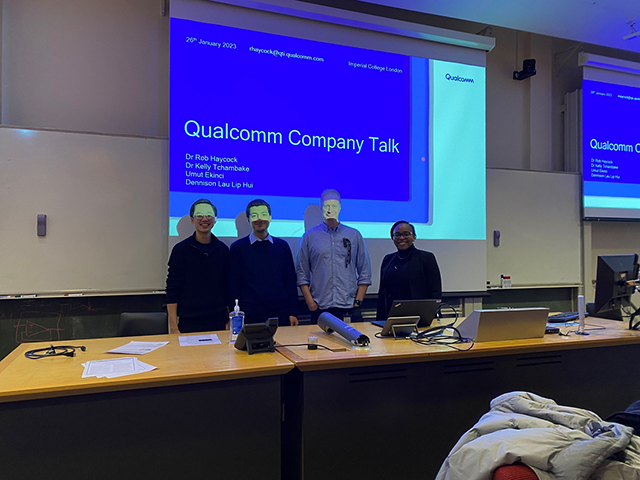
{"points": [[331, 209], [203, 218], [260, 218]]}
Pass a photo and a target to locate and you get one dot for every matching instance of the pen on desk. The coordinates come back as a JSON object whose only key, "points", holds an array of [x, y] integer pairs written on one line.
{"points": [[31, 295], [73, 294], [205, 340]]}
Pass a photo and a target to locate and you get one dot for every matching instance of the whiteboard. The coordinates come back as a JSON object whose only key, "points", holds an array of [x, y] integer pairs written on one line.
{"points": [[106, 206], [538, 215]]}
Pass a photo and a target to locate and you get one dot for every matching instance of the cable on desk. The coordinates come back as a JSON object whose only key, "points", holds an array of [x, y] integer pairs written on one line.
{"points": [[592, 328], [307, 345], [400, 337], [437, 330], [439, 313], [51, 351], [435, 336]]}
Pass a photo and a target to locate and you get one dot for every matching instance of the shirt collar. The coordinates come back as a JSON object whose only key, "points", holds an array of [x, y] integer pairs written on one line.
{"points": [[253, 239], [327, 229]]}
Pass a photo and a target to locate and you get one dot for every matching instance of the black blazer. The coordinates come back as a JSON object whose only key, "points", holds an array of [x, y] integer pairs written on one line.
{"points": [[424, 281]]}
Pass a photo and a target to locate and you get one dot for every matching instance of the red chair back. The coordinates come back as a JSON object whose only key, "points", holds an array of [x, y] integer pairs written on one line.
{"points": [[516, 471]]}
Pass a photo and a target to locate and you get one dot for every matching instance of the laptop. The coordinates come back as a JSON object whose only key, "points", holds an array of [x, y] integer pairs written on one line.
{"points": [[425, 309], [505, 324]]}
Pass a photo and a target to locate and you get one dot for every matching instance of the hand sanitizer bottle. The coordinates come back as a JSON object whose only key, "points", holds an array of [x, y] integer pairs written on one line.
{"points": [[236, 321]]}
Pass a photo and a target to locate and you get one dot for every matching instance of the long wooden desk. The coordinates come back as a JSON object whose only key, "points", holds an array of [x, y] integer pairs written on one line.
{"points": [[393, 411], [396, 410], [195, 416]]}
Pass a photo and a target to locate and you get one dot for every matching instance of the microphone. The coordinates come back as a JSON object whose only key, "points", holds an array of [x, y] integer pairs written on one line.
{"points": [[330, 323], [581, 328]]}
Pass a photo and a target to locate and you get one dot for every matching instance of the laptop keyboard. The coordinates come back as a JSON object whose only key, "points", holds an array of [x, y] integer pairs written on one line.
{"points": [[564, 317]]}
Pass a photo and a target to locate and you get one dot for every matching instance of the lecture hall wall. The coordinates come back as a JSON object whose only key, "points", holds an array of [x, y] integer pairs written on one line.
{"points": [[102, 66]]}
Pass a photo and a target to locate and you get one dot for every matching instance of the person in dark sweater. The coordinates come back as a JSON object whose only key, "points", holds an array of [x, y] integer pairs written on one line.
{"points": [[197, 280], [408, 273], [261, 272]]}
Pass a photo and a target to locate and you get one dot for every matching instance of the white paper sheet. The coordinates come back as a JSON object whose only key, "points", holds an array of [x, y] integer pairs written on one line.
{"points": [[138, 348], [116, 367], [101, 368], [140, 367], [192, 340]]}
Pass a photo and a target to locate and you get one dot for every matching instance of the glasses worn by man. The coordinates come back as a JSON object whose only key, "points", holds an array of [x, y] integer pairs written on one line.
{"points": [[264, 214]]}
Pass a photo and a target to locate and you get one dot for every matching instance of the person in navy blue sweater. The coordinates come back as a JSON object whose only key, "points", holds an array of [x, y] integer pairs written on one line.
{"points": [[198, 270], [261, 272]]}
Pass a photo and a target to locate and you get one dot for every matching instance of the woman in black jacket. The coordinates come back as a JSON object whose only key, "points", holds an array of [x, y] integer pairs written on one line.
{"points": [[408, 273]]}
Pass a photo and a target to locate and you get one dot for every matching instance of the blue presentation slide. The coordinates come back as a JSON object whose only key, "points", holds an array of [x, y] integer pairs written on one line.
{"points": [[259, 115], [611, 145]]}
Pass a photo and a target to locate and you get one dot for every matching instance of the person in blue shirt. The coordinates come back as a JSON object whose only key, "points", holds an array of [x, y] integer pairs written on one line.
{"points": [[261, 272], [333, 268]]}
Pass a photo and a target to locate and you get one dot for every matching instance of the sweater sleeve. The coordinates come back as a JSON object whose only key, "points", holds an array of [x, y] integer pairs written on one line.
{"points": [[381, 313], [225, 273], [175, 277], [290, 280], [432, 274], [235, 273]]}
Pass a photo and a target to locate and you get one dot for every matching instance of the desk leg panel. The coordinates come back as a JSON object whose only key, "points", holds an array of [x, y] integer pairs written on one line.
{"points": [[228, 429], [396, 421]]}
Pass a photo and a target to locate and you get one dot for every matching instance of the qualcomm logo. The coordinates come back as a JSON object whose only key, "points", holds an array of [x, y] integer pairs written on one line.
{"points": [[458, 78]]}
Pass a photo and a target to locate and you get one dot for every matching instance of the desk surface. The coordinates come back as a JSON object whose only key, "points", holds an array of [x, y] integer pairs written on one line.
{"points": [[387, 350], [25, 379]]}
